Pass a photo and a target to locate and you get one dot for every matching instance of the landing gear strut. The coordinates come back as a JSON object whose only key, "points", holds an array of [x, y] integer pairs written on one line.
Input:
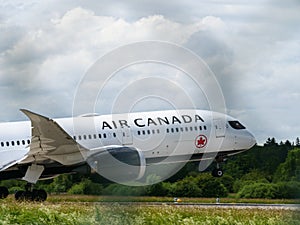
{"points": [[218, 172], [31, 194]]}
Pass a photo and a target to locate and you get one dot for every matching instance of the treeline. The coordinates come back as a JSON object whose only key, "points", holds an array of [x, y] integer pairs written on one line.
{"points": [[269, 171]]}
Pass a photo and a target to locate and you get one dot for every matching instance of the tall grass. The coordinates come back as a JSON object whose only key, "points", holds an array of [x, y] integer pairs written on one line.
{"points": [[12, 212], [92, 198]]}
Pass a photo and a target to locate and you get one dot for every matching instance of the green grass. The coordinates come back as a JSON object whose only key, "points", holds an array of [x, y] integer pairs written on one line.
{"points": [[71, 210], [232, 199]]}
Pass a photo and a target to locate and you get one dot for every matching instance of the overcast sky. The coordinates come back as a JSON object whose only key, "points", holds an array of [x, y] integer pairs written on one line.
{"points": [[253, 48]]}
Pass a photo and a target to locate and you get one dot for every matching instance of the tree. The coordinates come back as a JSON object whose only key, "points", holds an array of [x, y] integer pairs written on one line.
{"points": [[270, 142], [297, 142], [290, 169]]}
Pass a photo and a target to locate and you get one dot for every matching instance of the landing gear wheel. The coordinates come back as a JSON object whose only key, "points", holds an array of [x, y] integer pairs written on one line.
{"points": [[39, 195], [19, 195], [35, 195], [217, 173], [3, 192], [23, 196]]}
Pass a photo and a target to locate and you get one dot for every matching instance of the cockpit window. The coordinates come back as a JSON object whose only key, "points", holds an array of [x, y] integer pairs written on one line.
{"points": [[236, 125]]}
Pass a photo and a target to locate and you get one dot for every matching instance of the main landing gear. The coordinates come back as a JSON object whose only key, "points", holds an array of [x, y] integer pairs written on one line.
{"points": [[31, 194], [3, 192], [218, 172]]}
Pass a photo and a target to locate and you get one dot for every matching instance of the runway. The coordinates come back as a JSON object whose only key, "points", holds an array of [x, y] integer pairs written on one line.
{"points": [[295, 207]]}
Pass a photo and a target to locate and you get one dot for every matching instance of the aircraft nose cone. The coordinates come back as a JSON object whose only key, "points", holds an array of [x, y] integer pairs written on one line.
{"points": [[252, 140]]}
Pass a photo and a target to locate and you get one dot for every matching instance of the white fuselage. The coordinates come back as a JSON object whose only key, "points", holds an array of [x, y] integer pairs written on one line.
{"points": [[157, 134]]}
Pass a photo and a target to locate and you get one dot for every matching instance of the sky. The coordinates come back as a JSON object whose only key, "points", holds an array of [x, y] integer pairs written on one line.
{"points": [[252, 47]]}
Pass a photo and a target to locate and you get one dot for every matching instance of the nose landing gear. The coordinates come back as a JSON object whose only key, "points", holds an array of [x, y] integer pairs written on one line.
{"points": [[218, 172]]}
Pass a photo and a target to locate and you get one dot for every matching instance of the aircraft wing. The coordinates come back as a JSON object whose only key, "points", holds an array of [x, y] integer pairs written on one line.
{"points": [[50, 141], [11, 160]]}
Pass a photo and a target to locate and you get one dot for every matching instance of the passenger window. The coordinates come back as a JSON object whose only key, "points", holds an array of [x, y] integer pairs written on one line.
{"points": [[200, 128], [148, 131], [90, 136], [186, 129], [172, 130], [84, 137], [99, 136], [144, 132], [7, 143], [79, 137], [204, 127], [157, 131], [95, 136], [13, 143], [23, 142], [2, 144], [104, 135], [114, 134], [18, 142], [139, 132], [167, 130], [28, 141]]}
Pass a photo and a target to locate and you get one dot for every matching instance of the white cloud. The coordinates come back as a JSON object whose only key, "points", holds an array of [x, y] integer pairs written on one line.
{"points": [[252, 47]]}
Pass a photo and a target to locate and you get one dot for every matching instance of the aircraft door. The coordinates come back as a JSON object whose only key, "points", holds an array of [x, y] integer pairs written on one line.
{"points": [[126, 136], [219, 127]]}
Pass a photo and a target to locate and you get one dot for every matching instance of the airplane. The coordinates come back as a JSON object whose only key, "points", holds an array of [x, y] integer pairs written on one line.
{"points": [[118, 146]]}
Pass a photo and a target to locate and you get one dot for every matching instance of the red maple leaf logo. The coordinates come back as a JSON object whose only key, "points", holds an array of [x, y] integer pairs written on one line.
{"points": [[200, 141]]}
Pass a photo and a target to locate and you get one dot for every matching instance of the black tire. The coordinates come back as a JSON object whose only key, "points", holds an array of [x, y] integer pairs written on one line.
{"points": [[19, 195], [39, 195], [3, 192], [27, 196], [217, 173]]}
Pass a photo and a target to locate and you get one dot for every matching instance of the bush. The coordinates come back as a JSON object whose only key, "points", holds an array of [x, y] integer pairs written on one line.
{"points": [[86, 187], [249, 178], [211, 186], [60, 184], [214, 188], [239, 184], [159, 189], [77, 189], [123, 190], [13, 190], [259, 190], [227, 181], [289, 189], [187, 188]]}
